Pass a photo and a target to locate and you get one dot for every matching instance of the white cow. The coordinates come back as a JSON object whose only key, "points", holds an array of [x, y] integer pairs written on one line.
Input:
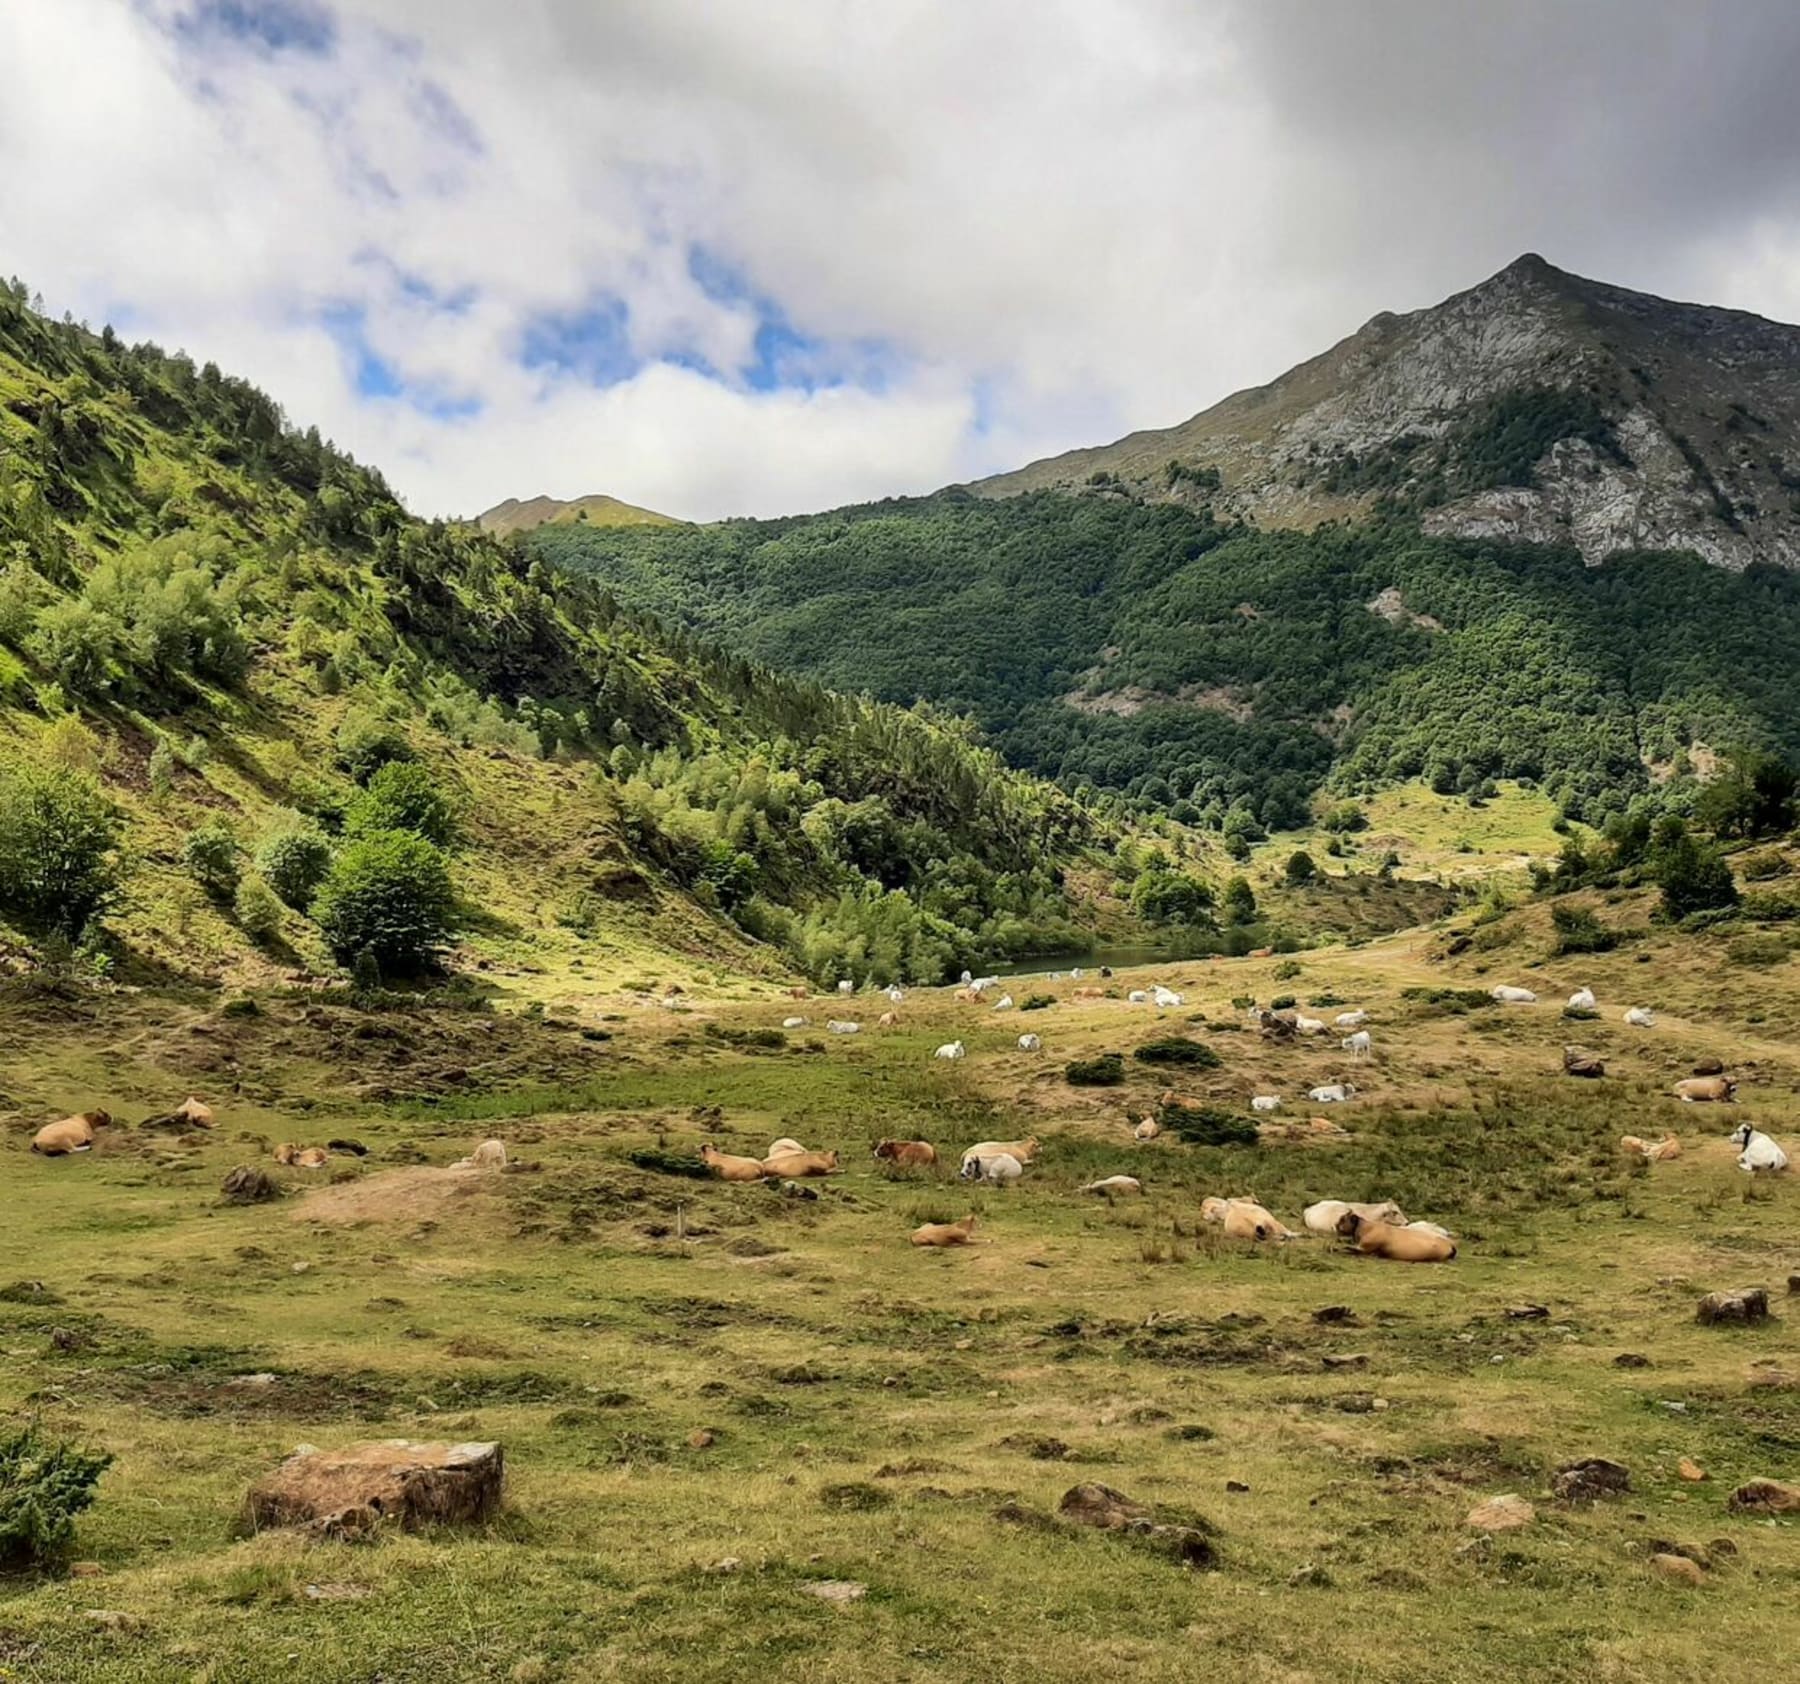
{"points": [[1759, 1151], [1641, 1017], [1334, 1093], [1265, 1102], [1001, 1170], [896, 994], [1004, 1003], [1429, 1228], [1309, 1025], [1323, 1217], [1115, 1184], [1075, 976], [846, 986], [982, 982], [838, 1026], [793, 1023], [1352, 1020], [1359, 1044], [1582, 1000], [1137, 997], [1030, 1043], [967, 978], [1166, 998], [1512, 996], [950, 1049]]}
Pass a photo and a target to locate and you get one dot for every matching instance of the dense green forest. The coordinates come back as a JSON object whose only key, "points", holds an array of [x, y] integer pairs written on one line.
{"points": [[181, 571], [1200, 668]]}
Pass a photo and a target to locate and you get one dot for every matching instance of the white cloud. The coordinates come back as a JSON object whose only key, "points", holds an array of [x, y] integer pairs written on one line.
{"points": [[1050, 225]]}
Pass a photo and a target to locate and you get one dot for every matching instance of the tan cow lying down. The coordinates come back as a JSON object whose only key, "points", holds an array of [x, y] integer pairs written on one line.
{"points": [[72, 1134], [1402, 1245], [1657, 1151], [946, 1233], [887, 1020], [301, 1157], [728, 1168], [907, 1154], [780, 1148], [1719, 1090], [798, 1164], [490, 1154], [1243, 1219], [1025, 1151]]}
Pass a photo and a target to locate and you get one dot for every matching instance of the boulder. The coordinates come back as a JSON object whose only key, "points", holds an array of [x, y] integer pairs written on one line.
{"points": [[1751, 1304], [1679, 1568], [1766, 1496], [1112, 1511], [347, 1492], [835, 1590], [1577, 1062], [1710, 1067], [1588, 1481], [248, 1185], [1502, 1514]]}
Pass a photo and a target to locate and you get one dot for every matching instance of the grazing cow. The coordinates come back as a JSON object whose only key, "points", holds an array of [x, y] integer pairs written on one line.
{"points": [[1351, 1020], [1004, 1003], [1324, 1217], [1031, 1043], [1000, 1170], [1166, 998], [1401, 1244], [1025, 1150], [794, 1166], [1657, 1151], [1333, 1093], [841, 1026], [799, 991], [1137, 997], [887, 1020], [1512, 996], [1582, 1000], [72, 1134], [728, 1168], [846, 986], [1759, 1152], [951, 1049], [784, 1144], [1358, 1045], [896, 994], [1707, 1090], [1641, 1017], [793, 1023], [1115, 1184], [490, 1154], [1265, 1102], [1243, 1219], [1309, 1025], [906, 1154], [946, 1233], [1148, 1129]]}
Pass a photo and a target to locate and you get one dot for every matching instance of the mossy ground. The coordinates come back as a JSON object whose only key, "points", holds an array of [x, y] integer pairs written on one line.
{"points": [[875, 1409]]}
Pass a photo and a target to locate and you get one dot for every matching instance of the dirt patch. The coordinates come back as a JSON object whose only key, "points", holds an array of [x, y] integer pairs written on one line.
{"points": [[420, 1194]]}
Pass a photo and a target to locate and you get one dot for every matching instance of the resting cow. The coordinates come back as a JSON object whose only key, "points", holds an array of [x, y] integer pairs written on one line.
{"points": [[1657, 1151], [1323, 1217], [946, 1233], [783, 1145], [794, 1166], [1707, 1090], [490, 1154], [1001, 1169], [907, 1154], [1759, 1152], [1243, 1219], [950, 1049], [72, 1134], [728, 1168], [1025, 1150], [1401, 1244]]}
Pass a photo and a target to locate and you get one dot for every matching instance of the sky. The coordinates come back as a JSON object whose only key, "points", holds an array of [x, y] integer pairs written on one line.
{"points": [[727, 257]]}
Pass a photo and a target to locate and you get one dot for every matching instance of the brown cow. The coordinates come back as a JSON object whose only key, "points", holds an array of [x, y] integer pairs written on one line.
{"points": [[793, 1164], [946, 1233], [907, 1154], [728, 1168], [1720, 1090], [300, 1157], [887, 1020], [1090, 994], [1402, 1245], [72, 1134], [1657, 1151]]}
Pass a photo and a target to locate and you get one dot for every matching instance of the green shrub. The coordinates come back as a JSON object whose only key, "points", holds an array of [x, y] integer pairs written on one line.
{"points": [[59, 837], [1165, 896], [1286, 971], [1454, 1001], [294, 863], [42, 1488], [660, 1162], [1282, 1003], [1693, 876], [402, 796], [1765, 863], [1178, 1049], [366, 743], [1036, 1002], [257, 909], [389, 895], [162, 766], [1300, 868], [1105, 1071], [744, 1037], [1579, 931], [1211, 1125], [211, 854]]}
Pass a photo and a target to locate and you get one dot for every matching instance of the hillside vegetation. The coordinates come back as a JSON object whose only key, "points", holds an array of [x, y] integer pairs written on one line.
{"points": [[216, 631], [1195, 667]]}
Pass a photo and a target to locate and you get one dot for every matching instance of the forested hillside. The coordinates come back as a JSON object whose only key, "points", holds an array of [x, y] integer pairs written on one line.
{"points": [[273, 720], [1199, 667]]}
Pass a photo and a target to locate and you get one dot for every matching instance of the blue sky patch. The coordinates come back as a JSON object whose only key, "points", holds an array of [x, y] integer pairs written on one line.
{"points": [[592, 343], [272, 26], [375, 377]]}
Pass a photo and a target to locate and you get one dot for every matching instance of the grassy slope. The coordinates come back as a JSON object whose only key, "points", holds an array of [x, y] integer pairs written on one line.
{"points": [[596, 509], [553, 1307]]}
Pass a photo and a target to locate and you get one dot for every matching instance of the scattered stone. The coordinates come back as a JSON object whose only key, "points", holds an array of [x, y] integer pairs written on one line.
{"points": [[1579, 1062], [299, 1268], [835, 1590], [1356, 1359], [1507, 1513], [350, 1492], [1710, 1067], [1679, 1568], [1038, 1447], [1112, 1511], [248, 1185], [1766, 1496], [67, 1338], [1336, 1315], [1793, 1284], [1690, 1470], [1631, 1359], [1237, 1487], [1378, 1403], [1590, 1480], [1750, 1304], [1527, 1312]]}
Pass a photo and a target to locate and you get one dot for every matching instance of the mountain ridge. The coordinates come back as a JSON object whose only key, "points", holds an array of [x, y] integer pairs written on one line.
{"points": [[597, 508]]}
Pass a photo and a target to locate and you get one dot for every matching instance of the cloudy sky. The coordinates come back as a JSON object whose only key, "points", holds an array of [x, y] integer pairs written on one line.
{"points": [[756, 256]]}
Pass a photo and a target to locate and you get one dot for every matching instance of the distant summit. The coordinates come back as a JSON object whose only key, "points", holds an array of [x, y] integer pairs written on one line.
{"points": [[515, 515], [1537, 406]]}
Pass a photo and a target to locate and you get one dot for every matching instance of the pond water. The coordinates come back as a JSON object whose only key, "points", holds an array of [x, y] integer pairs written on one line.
{"points": [[1043, 964]]}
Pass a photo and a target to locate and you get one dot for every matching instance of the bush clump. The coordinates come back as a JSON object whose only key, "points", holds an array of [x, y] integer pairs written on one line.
{"points": [[1105, 1071], [59, 838], [1579, 931], [294, 863], [365, 744], [257, 909], [212, 855], [1211, 1125], [43, 1487], [659, 1162], [388, 896], [1036, 1002], [402, 795], [1178, 1049]]}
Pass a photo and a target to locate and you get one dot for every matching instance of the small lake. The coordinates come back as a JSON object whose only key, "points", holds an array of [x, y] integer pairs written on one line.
{"points": [[1042, 964]]}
